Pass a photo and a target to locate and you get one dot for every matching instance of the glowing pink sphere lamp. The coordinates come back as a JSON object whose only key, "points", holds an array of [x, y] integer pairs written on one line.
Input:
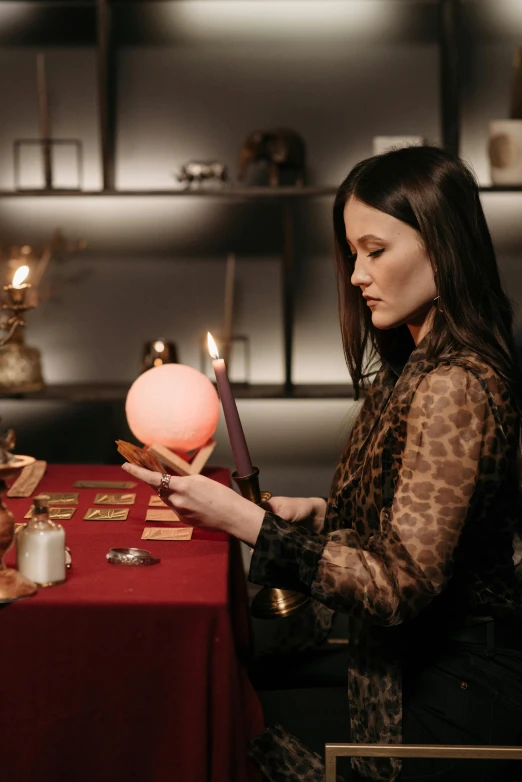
{"points": [[173, 405]]}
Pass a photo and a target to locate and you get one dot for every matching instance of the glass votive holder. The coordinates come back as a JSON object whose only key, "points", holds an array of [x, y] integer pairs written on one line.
{"points": [[157, 352]]}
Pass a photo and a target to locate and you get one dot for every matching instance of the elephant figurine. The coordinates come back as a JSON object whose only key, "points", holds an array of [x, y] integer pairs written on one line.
{"points": [[202, 171], [283, 150]]}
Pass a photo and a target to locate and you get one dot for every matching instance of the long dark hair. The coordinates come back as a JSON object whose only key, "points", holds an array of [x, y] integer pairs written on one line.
{"points": [[434, 192]]}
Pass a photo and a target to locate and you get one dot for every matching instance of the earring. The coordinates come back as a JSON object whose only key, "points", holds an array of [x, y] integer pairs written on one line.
{"points": [[436, 302]]}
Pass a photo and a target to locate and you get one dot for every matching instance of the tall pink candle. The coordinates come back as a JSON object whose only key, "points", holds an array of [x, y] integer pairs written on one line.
{"points": [[233, 422]]}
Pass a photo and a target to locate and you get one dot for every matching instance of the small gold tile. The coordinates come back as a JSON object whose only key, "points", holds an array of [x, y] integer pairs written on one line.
{"points": [[160, 533], [161, 514], [114, 499], [55, 514], [61, 498], [156, 502], [105, 484], [106, 514]]}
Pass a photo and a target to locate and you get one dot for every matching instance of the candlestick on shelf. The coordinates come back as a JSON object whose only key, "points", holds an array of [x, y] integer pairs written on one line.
{"points": [[235, 430], [45, 124], [17, 291], [20, 369]]}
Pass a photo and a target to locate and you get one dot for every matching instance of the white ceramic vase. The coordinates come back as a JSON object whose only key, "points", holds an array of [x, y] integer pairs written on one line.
{"points": [[505, 151]]}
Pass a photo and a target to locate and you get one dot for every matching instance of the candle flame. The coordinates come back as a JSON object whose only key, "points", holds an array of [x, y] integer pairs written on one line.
{"points": [[20, 275], [212, 347], [159, 346]]}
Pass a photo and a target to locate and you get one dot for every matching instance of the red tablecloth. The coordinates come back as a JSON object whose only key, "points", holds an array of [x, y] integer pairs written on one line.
{"points": [[128, 674]]}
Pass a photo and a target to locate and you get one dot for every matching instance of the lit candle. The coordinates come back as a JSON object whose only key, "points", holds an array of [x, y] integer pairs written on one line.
{"points": [[235, 430], [18, 288], [19, 276]]}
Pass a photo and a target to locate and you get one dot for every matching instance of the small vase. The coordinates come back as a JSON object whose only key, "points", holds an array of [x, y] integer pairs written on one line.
{"points": [[505, 151], [12, 584]]}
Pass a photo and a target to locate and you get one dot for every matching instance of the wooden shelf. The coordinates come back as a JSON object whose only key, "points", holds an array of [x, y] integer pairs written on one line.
{"points": [[500, 188], [231, 193], [117, 392], [311, 191]]}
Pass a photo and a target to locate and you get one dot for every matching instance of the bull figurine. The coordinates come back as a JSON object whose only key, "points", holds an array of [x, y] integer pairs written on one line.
{"points": [[283, 150], [202, 171]]}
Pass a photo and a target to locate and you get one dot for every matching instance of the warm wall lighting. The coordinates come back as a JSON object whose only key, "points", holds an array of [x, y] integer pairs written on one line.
{"points": [[278, 19], [503, 17], [14, 17]]}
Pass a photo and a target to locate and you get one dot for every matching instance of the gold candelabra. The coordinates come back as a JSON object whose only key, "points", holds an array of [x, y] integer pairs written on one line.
{"points": [[20, 366], [269, 603]]}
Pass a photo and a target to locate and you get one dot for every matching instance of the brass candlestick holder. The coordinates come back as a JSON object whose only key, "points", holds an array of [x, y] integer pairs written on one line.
{"points": [[269, 603], [20, 366], [157, 352], [12, 584]]}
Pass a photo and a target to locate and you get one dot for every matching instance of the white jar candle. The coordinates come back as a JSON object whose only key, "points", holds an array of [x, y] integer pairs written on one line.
{"points": [[40, 547]]}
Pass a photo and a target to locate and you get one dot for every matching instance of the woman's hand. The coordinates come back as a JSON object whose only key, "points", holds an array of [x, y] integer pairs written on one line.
{"points": [[207, 504], [307, 511]]}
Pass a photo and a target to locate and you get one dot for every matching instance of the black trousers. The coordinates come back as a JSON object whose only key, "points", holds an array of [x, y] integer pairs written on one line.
{"points": [[470, 692]]}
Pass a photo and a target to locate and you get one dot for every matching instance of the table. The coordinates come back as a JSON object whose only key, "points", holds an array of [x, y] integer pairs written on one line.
{"points": [[128, 674]]}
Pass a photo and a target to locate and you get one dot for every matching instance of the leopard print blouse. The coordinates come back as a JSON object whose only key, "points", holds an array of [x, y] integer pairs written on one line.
{"points": [[418, 533]]}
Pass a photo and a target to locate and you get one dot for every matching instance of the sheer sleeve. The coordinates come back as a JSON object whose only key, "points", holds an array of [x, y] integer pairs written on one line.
{"points": [[390, 576]]}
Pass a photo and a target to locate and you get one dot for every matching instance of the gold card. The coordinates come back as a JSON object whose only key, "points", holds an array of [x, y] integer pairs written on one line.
{"points": [[61, 498], [106, 514], [55, 514], [161, 514], [105, 485], [160, 533], [28, 480], [114, 499], [156, 501]]}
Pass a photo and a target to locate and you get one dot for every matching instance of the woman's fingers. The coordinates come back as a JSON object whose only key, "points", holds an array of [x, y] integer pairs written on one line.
{"points": [[152, 478]]}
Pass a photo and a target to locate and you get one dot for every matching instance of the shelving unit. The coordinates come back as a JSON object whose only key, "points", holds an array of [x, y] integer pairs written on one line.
{"points": [[245, 193], [232, 193], [117, 392], [92, 22]]}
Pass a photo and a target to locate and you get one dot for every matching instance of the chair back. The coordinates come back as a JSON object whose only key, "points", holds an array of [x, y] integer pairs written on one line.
{"points": [[334, 751]]}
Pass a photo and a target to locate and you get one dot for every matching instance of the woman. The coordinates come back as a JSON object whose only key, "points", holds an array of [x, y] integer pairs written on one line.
{"points": [[416, 540]]}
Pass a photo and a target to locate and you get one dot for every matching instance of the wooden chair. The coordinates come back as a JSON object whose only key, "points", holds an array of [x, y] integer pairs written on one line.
{"points": [[333, 751]]}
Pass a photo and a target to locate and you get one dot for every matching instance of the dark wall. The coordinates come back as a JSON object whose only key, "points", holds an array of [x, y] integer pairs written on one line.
{"points": [[339, 73]]}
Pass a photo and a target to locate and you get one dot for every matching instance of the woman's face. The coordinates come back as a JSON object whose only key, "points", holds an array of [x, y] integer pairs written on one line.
{"points": [[391, 268]]}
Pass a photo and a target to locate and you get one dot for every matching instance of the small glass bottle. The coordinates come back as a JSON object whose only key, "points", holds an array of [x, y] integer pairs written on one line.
{"points": [[40, 546]]}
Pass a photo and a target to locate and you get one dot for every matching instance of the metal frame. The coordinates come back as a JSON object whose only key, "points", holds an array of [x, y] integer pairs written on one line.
{"points": [[449, 68], [449, 40], [465, 752], [46, 145], [107, 92]]}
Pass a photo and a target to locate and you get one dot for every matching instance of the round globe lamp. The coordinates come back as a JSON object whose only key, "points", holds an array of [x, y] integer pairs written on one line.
{"points": [[173, 408]]}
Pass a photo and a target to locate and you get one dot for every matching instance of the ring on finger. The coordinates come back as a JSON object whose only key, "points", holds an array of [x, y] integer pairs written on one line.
{"points": [[164, 487]]}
